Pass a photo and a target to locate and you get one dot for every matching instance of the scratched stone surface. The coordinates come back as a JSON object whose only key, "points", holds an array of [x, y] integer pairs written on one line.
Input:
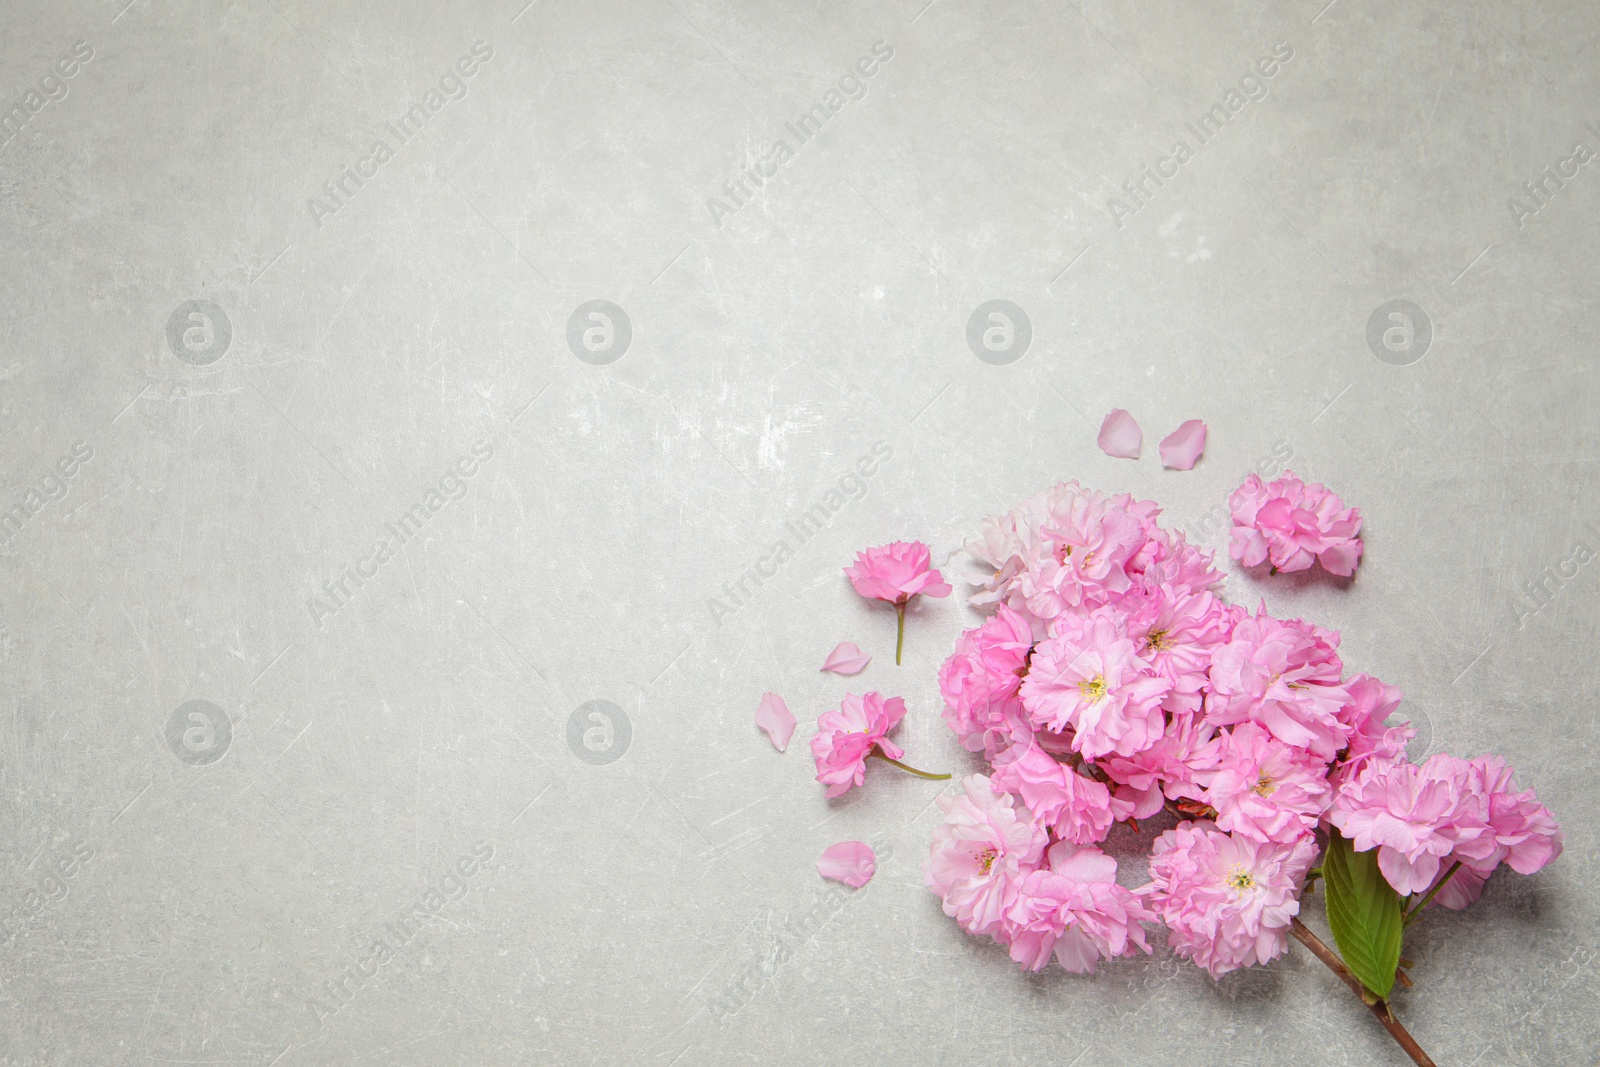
{"points": [[427, 429]]}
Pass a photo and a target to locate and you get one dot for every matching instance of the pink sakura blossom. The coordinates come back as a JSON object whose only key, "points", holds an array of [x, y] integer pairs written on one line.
{"points": [[1524, 832], [1284, 675], [998, 727], [1293, 525], [1090, 547], [846, 658], [1090, 677], [980, 853], [1226, 899], [1178, 766], [1424, 819], [1495, 823], [1007, 544], [851, 862], [1414, 816], [847, 737], [1176, 634], [1182, 448], [1516, 830], [1267, 790], [1073, 807], [1074, 910], [1364, 714], [1064, 549], [1120, 437], [1170, 565], [773, 716], [896, 572], [979, 682]]}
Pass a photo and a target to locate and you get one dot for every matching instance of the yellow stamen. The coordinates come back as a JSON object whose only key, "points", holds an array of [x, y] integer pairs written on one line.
{"points": [[1093, 691]]}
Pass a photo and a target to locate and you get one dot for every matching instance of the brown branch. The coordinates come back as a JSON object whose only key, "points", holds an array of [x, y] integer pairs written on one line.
{"points": [[1380, 1009]]}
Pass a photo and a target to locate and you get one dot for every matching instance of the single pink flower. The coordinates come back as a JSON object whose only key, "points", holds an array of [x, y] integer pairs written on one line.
{"points": [[1073, 807], [1522, 826], [997, 727], [1365, 715], [1516, 829], [980, 853], [1176, 633], [896, 572], [846, 658], [1413, 816], [1226, 899], [851, 862], [1267, 790], [1066, 549], [1511, 827], [1091, 542], [846, 737], [773, 717], [1182, 448], [1293, 525], [1005, 544], [1090, 677], [1283, 674], [1120, 437], [1168, 564], [1179, 766], [980, 679], [1074, 910]]}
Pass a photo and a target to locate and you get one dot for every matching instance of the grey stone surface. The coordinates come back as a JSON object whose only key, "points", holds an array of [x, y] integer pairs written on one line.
{"points": [[252, 379]]}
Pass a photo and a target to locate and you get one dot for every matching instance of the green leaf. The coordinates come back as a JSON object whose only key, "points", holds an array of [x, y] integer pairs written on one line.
{"points": [[1364, 912]]}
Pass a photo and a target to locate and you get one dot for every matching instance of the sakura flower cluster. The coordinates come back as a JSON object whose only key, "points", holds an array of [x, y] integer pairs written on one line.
{"points": [[1111, 684]]}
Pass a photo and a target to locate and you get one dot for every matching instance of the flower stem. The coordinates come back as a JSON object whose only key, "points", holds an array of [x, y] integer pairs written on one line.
{"points": [[1380, 1009], [908, 770], [1410, 916], [900, 631]]}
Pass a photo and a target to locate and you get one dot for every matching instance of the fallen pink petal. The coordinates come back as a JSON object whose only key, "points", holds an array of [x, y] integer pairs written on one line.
{"points": [[1120, 437], [1182, 448], [851, 862], [773, 717], [846, 658]]}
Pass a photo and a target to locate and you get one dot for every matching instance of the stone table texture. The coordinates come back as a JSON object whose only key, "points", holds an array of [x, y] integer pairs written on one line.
{"points": [[409, 416]]}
